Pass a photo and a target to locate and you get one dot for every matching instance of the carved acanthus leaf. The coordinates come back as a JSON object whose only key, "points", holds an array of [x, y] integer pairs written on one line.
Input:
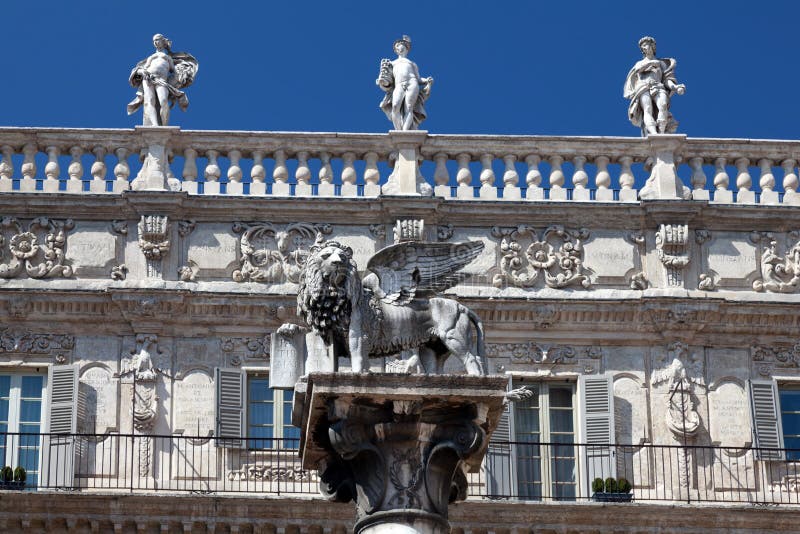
{"points": [[525, 254], [672, 247]]}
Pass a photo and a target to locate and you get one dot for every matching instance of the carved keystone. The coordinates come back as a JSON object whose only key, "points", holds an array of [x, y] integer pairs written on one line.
{"points": [[399, 445]]}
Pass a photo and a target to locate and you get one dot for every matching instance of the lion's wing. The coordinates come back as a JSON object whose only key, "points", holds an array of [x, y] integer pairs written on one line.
{"points": [[407, 268]]}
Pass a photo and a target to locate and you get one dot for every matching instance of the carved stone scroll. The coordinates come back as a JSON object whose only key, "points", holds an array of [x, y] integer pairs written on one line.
{"points": [[556, 253], [37, 250]]}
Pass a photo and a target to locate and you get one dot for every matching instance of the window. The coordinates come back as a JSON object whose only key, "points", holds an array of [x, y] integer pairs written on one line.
{"points": [[21, 415], [790, 419], [247, 407], [546, 418], [269, 415]]}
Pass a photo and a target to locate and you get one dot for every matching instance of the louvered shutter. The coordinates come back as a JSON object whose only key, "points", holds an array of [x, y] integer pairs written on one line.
{"points": [[58, 447], [596, 399], [766, 420], [230, 403], [499, 462]]}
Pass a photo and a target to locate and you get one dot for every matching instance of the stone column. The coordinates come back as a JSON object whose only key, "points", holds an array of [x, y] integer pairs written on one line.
{"points": [[664, 182], [155, 174], [406, 178], [399, 445]]}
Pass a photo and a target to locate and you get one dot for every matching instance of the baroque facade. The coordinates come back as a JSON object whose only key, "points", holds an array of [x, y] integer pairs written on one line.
{"points": [[661, 337]]}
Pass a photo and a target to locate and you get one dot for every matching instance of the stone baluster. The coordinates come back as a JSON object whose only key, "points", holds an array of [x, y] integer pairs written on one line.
{"points": [[487, 178], [302, 175], [325, 187], [721, 182], [744, 182], [464, 177], [280, 175], [212, 174], [349, 187], [189, 183], [75, 171], [28, 181], [234, 186], [441, 176], [6, 169], [258, 174], [557, 191], [698, 179], [52, 171], [533, 178], [767, 182], [790, 195], [121, 171], [580, 180], [603, 180], [626, 180], [372, 176], [511, 189], [98, 171]]}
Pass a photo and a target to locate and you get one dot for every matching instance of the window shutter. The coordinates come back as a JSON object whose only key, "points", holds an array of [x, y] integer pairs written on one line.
{"points": [[596, 398], [765, 416], [499, 462], [230, 407], [58, 448]]}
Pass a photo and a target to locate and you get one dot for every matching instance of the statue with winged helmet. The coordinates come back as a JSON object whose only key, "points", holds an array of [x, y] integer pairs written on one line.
{"points": [[395, 306]]}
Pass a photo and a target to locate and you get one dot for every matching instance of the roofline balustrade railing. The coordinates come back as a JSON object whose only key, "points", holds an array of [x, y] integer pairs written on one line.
{"points": [[526, 471], [464, 167]]}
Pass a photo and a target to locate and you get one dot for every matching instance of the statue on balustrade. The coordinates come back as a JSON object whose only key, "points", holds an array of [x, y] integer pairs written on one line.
{"points": [[406, 91], [159, 80], [395, 307], [649, 86]]}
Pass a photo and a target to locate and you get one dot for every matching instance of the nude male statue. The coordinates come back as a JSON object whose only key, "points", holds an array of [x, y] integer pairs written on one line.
{"points": [[406, 91], [651, 83], [159, 79]]}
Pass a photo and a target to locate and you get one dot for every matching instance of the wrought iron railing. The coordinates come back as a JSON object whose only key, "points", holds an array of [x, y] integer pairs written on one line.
{"points": [[512, 470]]}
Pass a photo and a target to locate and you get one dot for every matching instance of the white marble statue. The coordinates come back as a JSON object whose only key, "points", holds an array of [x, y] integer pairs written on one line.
{"points": [[649, 86], [406, 91], [159, 79]]}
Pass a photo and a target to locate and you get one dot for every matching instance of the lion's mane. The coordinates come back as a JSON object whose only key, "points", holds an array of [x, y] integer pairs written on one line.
{"points": [[326, 302]]}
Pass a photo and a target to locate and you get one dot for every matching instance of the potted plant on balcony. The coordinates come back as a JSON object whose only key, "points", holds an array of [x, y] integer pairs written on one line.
{"points": [[19, 477], [6, 477], [611, 490]]}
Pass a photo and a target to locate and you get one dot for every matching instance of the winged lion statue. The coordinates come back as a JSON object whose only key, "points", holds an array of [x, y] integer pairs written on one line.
{"points": [[395, 306]]}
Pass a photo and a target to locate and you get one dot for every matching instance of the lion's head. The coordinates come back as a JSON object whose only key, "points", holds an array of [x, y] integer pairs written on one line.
{"points": [[329, 287]]}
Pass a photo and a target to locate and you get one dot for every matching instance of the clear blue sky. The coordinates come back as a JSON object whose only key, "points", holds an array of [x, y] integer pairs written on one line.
{"points": [[500, 67]]}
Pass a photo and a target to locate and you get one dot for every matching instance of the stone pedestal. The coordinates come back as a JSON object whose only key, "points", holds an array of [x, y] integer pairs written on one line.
{"points": [[155, 174], [399, 445], [664, 182], [406, 178]]}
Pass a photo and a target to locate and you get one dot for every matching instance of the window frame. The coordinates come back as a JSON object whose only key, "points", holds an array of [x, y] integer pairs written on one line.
{"points": [[11, 451], [279, 439]]}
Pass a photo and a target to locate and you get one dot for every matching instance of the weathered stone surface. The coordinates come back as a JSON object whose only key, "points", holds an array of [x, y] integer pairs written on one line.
{"points": [[213, 248]]}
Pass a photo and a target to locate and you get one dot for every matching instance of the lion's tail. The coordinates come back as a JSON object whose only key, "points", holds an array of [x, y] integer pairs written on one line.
{"points": [[479, 339]]}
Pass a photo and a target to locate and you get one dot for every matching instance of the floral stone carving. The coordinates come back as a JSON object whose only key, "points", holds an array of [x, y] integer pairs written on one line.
{"points": [[779, 274], [783, 357], [557, 253], [57, 346], [39, 250], [271, 255]]}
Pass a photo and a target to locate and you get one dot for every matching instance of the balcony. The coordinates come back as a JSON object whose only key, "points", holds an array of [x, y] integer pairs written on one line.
{"points": [[512, 471]]}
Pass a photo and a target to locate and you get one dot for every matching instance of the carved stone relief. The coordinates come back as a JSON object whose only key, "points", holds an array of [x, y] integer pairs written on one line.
{"points": [[409, 230], [271, 255], [682, 371], [779, 273], [36, 249], [781, 358], [154, 242], [586, 360], [239, 350], [58, 347], [556, 253], [672, 247], [272, 472]]}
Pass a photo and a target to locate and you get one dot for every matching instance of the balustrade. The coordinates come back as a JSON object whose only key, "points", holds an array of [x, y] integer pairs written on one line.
{"points": [[459, 167]]}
